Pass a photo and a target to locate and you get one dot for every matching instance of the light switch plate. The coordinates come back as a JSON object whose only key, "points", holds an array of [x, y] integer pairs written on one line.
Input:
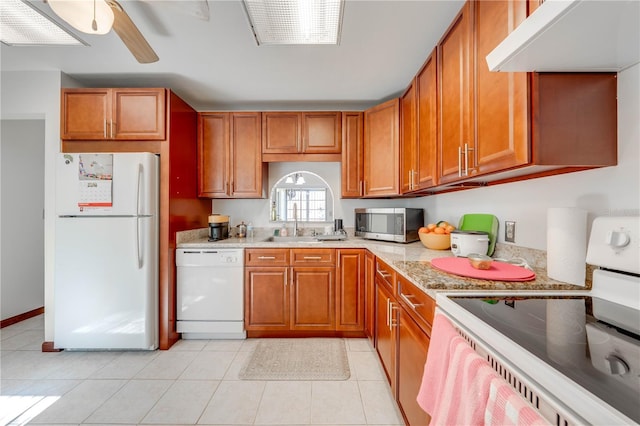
{"points": [[510, 231]]}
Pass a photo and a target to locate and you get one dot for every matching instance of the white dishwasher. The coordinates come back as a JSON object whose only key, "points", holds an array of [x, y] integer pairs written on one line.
{"points": [[210, 293]]}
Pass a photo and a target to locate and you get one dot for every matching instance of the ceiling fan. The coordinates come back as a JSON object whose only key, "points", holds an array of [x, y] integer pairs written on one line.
{"points": [[100, 16]]}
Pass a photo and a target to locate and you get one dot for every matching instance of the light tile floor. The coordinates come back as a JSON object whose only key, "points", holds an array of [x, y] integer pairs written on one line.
{"points": [[195, 382]]}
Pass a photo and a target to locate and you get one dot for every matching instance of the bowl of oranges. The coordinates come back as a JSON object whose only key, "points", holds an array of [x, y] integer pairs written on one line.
{"points": [[436, 236]]}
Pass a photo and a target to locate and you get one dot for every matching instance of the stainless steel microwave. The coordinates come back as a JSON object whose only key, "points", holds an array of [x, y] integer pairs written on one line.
{"points": [[399, 225]]}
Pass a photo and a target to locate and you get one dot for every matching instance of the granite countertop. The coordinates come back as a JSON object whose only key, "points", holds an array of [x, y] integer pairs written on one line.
{"points": [[412, 260]]}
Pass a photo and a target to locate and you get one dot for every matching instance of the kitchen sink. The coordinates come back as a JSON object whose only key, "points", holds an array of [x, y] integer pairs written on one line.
{"points": [[292, 239]]}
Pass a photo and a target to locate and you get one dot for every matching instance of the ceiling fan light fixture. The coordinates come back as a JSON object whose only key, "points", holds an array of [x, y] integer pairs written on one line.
{"points": [[288, 22], [88, 16]]}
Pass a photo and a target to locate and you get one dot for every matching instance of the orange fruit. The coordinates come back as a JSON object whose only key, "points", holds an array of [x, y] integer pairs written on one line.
{"points": [[439, 230]]}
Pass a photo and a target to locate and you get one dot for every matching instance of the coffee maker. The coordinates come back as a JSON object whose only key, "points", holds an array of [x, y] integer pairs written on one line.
{"points": [[218, 227]]}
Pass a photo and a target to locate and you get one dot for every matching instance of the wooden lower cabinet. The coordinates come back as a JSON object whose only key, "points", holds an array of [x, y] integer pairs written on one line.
{"points": [[266, 301], [402, 335], [413, 345], [304, 292], [369, 295], [312, 298], [385, 334], [350, 290]]}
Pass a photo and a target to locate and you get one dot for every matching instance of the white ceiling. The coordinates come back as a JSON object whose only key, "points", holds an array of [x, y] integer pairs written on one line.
{"points": [[216, 64]]}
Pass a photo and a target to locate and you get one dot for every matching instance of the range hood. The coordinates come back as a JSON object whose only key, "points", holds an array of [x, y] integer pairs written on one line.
{"points": [[573, 35]]}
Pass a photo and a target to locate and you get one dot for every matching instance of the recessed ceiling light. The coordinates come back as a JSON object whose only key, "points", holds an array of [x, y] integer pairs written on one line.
{"points": [[24, 25], [295, 21]]}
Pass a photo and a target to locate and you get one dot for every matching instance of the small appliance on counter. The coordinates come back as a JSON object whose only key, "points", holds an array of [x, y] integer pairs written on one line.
{"points": [[481, 222], [464, 243], [218, 227], [399, 225]]}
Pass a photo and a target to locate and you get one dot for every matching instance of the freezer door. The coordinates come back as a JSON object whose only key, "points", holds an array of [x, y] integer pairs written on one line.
{"points": [[123, 184], [105, 291]]}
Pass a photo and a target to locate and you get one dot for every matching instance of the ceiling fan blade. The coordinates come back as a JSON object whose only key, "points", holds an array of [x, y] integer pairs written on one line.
{"points": [[131, 35]]}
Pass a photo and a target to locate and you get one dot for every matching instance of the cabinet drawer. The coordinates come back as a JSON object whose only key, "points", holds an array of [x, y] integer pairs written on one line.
{"points": [[266, 257], [416, 302], [386, 275], [312, 257]]}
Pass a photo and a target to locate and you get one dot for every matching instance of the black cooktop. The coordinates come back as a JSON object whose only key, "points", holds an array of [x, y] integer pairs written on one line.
{"points": [[594, 342]]}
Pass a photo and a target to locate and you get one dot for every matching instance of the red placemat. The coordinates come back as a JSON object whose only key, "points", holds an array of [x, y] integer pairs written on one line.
{"points": [[499, 271]]}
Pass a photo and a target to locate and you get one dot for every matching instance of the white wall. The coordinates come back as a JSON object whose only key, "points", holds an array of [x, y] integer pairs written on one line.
{"points": [[22, 224], [610, 190], [36, 95]]}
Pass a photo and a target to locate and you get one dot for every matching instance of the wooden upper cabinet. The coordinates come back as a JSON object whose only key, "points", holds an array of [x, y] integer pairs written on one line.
{"points": [[229, 155], [282, 132], [352, 154], [247, 171], [426, 165], [408, 139], [302, 133], [419, 131], [382, 150], [455, 87], [321, 132], [501, 98], [113, 114], [213, 154]]}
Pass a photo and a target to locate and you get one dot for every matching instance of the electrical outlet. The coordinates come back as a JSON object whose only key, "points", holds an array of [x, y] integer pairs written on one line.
{"points": [[510, 231]]}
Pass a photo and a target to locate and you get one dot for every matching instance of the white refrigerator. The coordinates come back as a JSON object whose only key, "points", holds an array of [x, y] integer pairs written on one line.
{"points": [[106, 258]]}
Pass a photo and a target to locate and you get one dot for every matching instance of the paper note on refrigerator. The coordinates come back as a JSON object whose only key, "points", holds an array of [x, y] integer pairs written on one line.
{"points": [[95, 178]]}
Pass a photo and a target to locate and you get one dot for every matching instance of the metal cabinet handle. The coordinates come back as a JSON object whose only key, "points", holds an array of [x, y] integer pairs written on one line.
{"points": [[385, 274], [267, 257], [406, 297], [112, 132], [104, 129], [392, 322], [459, 161], [388, 312], [361, 188], [313, 257]]}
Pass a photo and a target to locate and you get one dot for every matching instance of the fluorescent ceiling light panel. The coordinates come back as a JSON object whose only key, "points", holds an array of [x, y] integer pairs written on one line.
{"points": [[295, 21], [23, 25]]}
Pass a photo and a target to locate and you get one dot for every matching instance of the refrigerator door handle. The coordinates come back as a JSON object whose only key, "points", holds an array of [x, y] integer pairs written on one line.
{"points": [[138, 245]]}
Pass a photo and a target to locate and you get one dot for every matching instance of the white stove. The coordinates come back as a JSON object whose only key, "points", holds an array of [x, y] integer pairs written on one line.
{"points": [[575, 354]]}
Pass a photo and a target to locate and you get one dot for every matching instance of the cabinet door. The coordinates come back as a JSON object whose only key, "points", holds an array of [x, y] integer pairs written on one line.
{"points": [[322, 132], [385, 333], [312, 298], [246, 169], [282, 132], [455, 97], [266, 301], [138, 114], [501, 97], [370, 296], [408, 139], [382, 150], [350, 290], [413, 345], [85, 114], [427, 123], [213, 155], [352, 154]]}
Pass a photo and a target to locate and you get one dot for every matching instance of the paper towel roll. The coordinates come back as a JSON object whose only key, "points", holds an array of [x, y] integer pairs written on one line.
{"points": [[567, 244]]}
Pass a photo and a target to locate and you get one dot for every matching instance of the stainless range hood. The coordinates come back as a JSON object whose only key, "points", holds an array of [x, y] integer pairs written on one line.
{"points": [[573, 35]]}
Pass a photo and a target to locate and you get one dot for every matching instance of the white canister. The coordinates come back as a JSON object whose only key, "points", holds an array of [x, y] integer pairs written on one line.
{"points": [[465, 242]]}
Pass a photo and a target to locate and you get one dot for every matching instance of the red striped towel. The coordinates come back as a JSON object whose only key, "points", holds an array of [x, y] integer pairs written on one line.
{"points": [[506, 407], [455, 385]]}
